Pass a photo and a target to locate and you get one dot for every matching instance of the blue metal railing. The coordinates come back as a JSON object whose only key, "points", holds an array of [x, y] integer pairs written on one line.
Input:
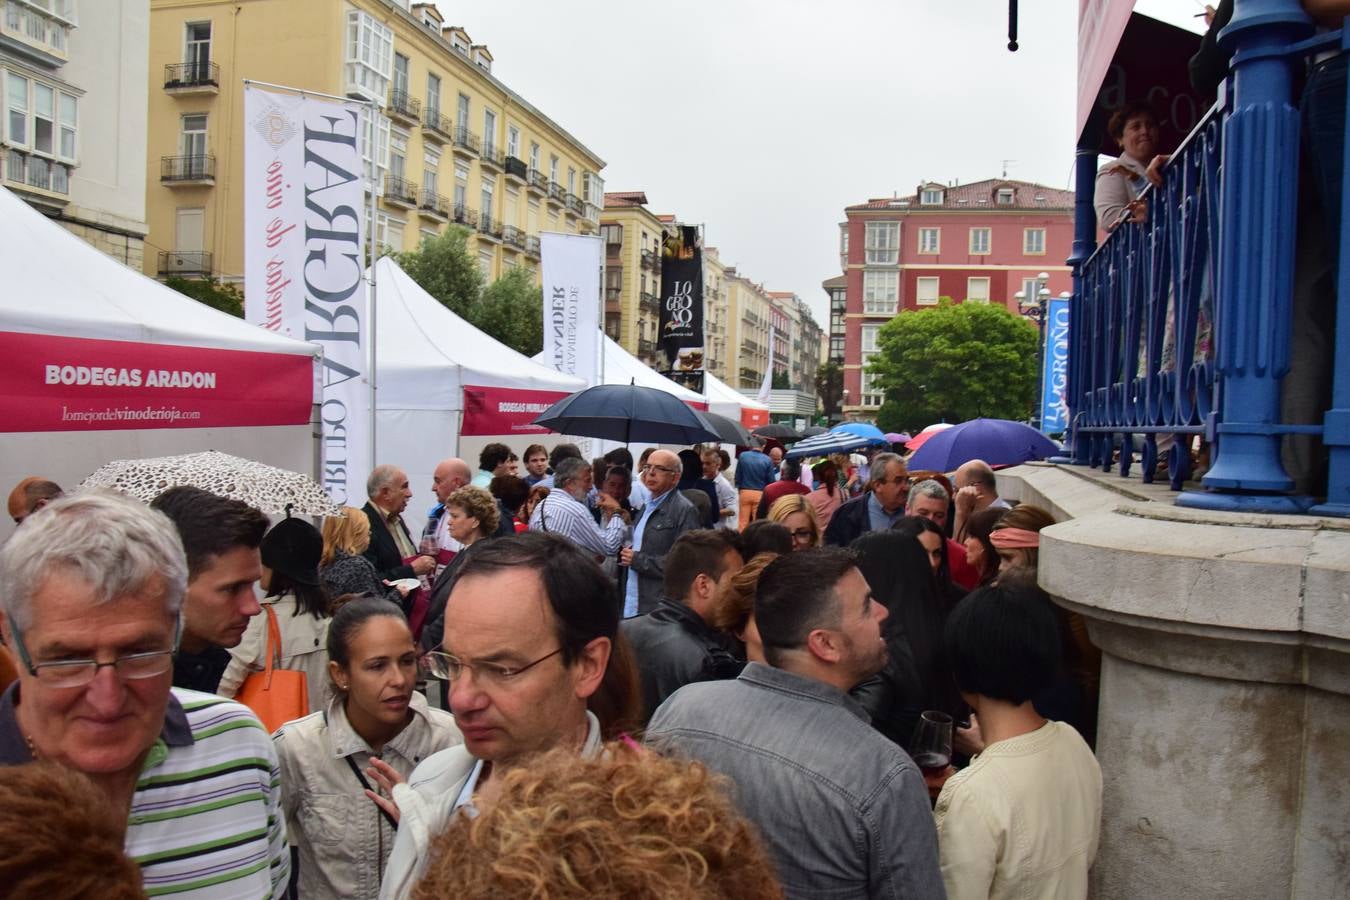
{"points": [[1181, 324]]}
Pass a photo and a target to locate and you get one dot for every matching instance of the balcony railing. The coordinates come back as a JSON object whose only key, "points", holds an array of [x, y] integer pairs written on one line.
{"points": [[188, 77], [650, 301], [492, 157], [556, 193], [403, 105], [436, 126], [38, 172], [188, 169], [573, 203], [651, 259], [538, 182], [400, 191], [467, 142], [532, 245], [517, 169], [1184, 324], [464, 215], [646, 348], [32, 25], [514, 237], [488, 226], [434, 205], [185, 262]]}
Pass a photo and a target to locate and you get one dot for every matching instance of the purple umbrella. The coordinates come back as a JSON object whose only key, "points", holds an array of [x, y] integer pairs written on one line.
{"points": [[897, 438], [998, 442]]}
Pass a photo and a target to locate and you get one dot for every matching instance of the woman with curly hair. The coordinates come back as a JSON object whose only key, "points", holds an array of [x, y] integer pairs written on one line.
{"points": [[630, 824], [473, 515], [798, 515]]}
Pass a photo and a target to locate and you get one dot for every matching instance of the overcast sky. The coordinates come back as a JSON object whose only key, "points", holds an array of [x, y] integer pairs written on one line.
{"points": [[763, 119]]}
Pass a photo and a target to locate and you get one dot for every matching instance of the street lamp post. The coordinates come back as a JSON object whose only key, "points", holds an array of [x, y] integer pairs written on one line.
{"points": [[1033, 308]]}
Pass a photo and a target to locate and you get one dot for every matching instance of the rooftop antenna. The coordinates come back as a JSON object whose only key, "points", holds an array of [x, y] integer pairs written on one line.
{"points": [[1005, 166]]}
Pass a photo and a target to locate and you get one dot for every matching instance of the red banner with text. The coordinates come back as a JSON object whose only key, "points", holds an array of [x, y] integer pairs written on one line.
{"points": [[500, 411], [54, 383]]}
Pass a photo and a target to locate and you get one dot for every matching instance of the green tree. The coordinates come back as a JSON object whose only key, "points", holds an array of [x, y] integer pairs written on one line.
{"points": [[955, 362], [445, 269], [225, 296], [512, 311], [781, 381], [830, 387]]}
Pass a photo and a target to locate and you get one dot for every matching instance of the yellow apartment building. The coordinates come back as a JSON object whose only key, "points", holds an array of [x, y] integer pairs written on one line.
{"points": [[452, 144], [632, 274], [748, 324], [715, 313]]}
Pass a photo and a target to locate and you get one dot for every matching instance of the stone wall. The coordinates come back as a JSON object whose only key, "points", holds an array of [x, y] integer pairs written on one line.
{"points": [[1224, 730], [125, 248]]}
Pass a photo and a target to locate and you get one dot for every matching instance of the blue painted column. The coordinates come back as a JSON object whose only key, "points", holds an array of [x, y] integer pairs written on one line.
{"points": [[1256, 259], [1084, 242]]}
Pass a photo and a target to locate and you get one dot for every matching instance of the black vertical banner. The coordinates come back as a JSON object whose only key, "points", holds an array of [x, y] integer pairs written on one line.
{"points": [[682, 306]]}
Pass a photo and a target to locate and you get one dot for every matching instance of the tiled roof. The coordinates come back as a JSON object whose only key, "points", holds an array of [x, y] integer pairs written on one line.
{"points": [[980, 195], [625, 198], [837, 281]]}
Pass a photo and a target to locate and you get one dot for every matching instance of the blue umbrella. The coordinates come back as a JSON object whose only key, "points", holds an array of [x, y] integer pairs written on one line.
{"points": [[833, 442], [862, 429], [627, 413], [998, 442]]}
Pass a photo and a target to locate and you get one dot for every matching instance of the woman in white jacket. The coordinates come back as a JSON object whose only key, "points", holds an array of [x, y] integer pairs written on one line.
{"points": [[343, 839], [290, 576]]}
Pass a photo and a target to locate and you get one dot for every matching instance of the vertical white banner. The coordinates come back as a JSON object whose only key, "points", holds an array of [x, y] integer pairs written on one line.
{"points": [[766, 386], [304, 226], [571, 274]]}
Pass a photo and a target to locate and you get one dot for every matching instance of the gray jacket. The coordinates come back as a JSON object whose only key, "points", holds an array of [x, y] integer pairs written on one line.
{"points": [[672, 518], [843, 811]]}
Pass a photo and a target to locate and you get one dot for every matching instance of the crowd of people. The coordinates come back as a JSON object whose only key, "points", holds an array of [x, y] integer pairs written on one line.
{"points": [[709, 680]]}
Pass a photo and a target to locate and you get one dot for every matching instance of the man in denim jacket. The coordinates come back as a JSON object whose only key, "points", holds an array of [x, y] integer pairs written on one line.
{"points": [[843, 811]]}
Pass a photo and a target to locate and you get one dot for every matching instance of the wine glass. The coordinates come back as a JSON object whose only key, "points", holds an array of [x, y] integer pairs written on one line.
{"points": [[931, 746]]}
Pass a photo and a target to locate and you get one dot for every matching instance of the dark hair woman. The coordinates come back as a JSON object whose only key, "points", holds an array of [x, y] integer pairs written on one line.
{"points": [[342, 838], [981, 554], [934, 542]]}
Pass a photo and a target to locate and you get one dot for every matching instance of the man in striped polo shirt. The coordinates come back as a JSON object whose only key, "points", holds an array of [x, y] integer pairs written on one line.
{"points": [[91, 589]]}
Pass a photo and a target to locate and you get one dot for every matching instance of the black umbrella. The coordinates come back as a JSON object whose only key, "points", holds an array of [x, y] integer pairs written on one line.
{"points": [[627, 413], [781, 432], [813, 430], [731, 431]]}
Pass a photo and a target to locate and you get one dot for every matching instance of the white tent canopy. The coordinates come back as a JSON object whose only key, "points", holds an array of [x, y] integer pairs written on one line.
{"points": [[622, 367], [81, 332], [726, 400]]}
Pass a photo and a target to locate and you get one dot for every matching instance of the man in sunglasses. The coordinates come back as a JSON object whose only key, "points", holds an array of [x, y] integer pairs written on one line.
{"points": [[91, 589], [878, 508], [530, 654]]}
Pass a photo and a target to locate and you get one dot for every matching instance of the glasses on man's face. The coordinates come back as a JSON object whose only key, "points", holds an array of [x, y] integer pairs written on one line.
{"points": [[73, 673], [650, 467], [439, 664]]}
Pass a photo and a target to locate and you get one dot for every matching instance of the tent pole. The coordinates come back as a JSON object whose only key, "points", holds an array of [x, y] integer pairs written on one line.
{"points": [[373, 110]]}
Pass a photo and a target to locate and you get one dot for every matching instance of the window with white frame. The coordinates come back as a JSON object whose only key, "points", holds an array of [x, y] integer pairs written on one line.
{"points": [[979, 241], [192, 137], [398, 152], [461, 185], [1004, 197], [882, 243], [571, 181], [41, 118], [930, 240], [485, 264], [594, 188], [511, 205], [433, 103], [843, 246], [401, 66], [871, 335], [513, 141], [489, 131], [431, 166], [393, 235], [881, 290], [1033, 241], [926, 291], [462, 112], [1030, 290], [930, 197], [197, 48], [489, 188], [370, 56], [375, 150], [534, 157], [553, 169], [871, 391], [977, 290]]}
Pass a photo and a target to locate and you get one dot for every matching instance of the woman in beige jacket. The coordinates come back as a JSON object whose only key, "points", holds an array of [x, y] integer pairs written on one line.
{"points": [[343, 839]]}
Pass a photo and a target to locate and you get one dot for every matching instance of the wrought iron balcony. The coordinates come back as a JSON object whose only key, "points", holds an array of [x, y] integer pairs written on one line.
{"points": [[573, 204], [516, 170], [436, 126], [404, 107], [466, 142], [555, 194], [651, 259], [650, 301], [185, 262], [489, 227], [532, 245], [538, 183], [400, 191], [192, 78], [513, 237], [23, 170], [433, 205], [464, 215], [492, 158], [188, 170], [646, 348]]}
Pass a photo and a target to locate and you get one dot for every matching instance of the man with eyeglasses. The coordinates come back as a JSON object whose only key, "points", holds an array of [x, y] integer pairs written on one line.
{"points": [[530, 631], [665, 517], [876, 509], [92, 590]]}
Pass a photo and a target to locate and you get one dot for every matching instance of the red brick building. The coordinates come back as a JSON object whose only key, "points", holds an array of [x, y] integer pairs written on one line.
{"points": [[981, 242]]}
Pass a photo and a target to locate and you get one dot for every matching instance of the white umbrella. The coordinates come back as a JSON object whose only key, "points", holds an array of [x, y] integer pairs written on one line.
{"points": [[261, 486]]}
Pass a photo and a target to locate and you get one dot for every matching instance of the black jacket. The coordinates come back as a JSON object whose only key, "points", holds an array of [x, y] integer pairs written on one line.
{"points": [[674, 647], [383, 551], [849, 522]]}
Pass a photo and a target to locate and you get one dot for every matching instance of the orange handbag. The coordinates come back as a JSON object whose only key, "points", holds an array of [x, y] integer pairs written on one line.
{"points": [[277, 695]]}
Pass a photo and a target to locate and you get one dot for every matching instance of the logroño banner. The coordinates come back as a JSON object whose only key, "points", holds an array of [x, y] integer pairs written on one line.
{"points": [[570, 265], [57, 383], [681, 329], [1054, 377], [304, 225]]}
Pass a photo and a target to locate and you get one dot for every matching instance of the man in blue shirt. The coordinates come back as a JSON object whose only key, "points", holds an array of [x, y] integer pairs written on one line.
{"points": [[754, 472], [875, 510], [663, 519]]}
